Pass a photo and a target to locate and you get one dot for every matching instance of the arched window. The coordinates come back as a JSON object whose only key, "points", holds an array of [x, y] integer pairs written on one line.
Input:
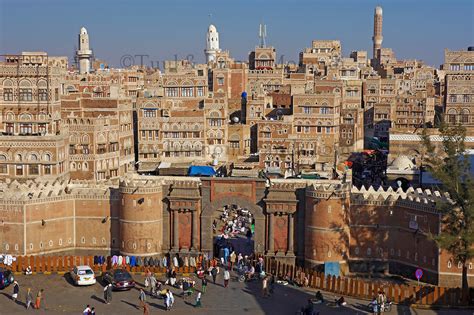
{"points": [[452, 113], [465, 116]]}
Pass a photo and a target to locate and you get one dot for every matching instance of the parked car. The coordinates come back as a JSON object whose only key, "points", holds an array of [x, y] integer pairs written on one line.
{"points": [[83, 275], [6, 278], [120, 279]]}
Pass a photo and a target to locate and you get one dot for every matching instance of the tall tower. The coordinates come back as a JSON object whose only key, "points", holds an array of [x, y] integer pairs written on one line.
{"points": [[377, 38], [212, 43], [84, 54], [262, 34]]}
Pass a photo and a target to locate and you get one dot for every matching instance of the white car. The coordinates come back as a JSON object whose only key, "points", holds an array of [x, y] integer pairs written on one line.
{"points": [[83, 275]]}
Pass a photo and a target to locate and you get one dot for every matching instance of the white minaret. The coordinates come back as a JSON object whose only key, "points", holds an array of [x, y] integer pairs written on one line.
{"points": [[84, 53], [212, 43]]}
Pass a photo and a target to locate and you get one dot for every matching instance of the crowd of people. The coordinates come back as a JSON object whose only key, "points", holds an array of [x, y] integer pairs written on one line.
{"points": [[234, 221]]}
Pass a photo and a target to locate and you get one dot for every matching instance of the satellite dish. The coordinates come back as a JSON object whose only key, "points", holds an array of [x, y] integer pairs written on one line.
{"points": [[235, 119]]}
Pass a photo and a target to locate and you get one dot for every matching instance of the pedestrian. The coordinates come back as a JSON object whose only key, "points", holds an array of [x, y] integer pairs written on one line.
{"points": [[39, 297], [92, 311], [167, 300], [142, 297], [153, 283], [226, 278], [214, 274], [171, 299], [203, 284], [233, 257], [146, 309], [272, 284], [265, 287], [198, 300], [108, 293], [173, 277], [16, 290], [87, 310], [226, 255], [29, 298]]}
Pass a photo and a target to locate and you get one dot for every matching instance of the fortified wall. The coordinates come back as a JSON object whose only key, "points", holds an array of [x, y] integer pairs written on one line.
{"points": [[297, 221]]}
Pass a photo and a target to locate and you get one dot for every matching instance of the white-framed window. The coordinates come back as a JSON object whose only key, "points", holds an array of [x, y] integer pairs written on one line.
{"points": [[187, 92], [172, 92], [369, 251], [200, 91]]}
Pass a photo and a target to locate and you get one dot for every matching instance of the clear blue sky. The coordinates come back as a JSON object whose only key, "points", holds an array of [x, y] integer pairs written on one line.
{"points": [[418, 29]]}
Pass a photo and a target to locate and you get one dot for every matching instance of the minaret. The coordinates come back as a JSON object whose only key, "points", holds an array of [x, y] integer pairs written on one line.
{"points": [[212, 43], [377, 38], [84, 53]]}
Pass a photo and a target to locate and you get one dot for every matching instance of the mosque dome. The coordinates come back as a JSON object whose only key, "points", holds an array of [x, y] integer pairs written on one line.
{"points": [[402, 162]]}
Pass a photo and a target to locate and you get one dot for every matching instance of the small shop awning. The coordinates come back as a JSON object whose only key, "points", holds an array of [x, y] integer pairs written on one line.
{"points": [[201, 171], [164, 165], [147, 166]]}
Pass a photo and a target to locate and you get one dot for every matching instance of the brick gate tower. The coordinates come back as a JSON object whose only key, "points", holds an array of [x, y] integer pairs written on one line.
{"points": [[141, 217], [326, 223]]}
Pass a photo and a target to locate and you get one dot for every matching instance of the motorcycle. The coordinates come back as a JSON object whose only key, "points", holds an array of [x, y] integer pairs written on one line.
{"points": [[385, 307]]}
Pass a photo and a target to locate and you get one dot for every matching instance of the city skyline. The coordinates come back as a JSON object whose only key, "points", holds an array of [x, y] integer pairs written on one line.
{"points": [[111, 38]]}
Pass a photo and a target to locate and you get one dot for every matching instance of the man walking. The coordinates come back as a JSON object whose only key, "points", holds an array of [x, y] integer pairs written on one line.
{"points": [[153, 283], [108, 293], [226, 278], [214, 274], [265, 287], [198, 300], [204, 284], [16, 290], [142, 297], [233, 257], [29, 298]]}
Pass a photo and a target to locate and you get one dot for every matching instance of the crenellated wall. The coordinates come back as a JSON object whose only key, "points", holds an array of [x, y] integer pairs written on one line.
{"points": [[306, 221]]}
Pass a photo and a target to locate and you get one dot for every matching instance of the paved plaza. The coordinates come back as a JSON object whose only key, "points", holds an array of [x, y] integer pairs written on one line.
{"points": [[61, 297]]}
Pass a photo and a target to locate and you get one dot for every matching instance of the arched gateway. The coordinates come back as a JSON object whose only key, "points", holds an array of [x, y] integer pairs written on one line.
{"points": [[218, 193], [193, 204]]}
